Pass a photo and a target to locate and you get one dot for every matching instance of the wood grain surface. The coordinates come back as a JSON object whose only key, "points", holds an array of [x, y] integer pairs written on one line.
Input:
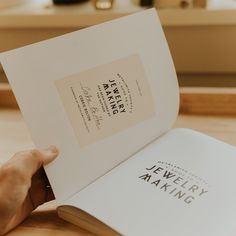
{"points": [[208, 100], [193, 100]]}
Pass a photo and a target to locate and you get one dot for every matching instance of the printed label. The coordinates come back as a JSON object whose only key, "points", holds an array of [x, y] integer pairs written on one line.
{"points": [[106, 99], [175, 181]]}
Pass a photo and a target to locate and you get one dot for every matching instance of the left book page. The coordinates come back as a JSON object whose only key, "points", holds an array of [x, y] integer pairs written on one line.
{"points": [[99, 94]]}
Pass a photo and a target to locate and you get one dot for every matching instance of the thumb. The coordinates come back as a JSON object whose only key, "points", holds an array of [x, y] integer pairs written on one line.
{"points": [[48, 154], [30, 161]]}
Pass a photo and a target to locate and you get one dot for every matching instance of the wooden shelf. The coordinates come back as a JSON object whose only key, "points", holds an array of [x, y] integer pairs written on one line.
{"points": [[42, 13], [193, 100], [208, 101], [7, 98]]}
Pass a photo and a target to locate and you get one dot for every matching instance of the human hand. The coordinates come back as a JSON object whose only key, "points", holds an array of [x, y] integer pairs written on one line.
{"points": [[24, 186]]}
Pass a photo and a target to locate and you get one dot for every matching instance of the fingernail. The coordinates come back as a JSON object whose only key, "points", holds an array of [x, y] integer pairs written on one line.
{"points": [[52, 149]]}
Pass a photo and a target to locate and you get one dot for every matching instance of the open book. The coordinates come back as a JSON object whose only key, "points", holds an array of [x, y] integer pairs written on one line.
{"points": [[108, 96]]}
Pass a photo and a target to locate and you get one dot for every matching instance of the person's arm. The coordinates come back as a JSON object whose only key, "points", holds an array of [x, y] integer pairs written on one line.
{"points": [[23, 186]]}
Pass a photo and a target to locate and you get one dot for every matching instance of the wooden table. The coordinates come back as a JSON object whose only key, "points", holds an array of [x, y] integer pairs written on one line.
{"points": [[14, 136]]}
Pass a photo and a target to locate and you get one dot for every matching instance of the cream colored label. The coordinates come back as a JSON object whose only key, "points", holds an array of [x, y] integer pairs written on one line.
{"points": [[106, 99]]}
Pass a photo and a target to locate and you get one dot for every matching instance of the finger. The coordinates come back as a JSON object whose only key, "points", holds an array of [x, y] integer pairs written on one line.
{"points": [[28, 162], [37, 158], [49, 154]]}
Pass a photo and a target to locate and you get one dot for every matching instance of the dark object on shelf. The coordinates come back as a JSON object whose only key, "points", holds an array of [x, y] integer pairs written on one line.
{"points": [[68, 1], [184, 4], [146, 3]]}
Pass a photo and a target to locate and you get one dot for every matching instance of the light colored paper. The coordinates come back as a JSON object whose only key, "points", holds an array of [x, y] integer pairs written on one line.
{"points": [[33, 70], [181, 184], [106, 99]]}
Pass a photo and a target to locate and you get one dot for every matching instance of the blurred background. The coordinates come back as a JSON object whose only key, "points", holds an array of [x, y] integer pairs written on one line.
{"points": [[201, 33]]}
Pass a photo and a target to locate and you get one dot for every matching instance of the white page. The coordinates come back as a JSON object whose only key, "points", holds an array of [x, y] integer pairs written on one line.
{"points": [[37, 74], [202, 168]]}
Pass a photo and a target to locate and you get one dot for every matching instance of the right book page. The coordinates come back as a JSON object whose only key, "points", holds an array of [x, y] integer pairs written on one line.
{"points": [[181, 184]]}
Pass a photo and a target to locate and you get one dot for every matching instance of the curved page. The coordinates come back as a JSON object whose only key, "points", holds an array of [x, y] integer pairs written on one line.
{"points": [[99, 94]]}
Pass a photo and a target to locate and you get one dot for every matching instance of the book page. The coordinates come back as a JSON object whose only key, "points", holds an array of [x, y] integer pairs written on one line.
{"points": [[99, 94], [181, 184]]}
